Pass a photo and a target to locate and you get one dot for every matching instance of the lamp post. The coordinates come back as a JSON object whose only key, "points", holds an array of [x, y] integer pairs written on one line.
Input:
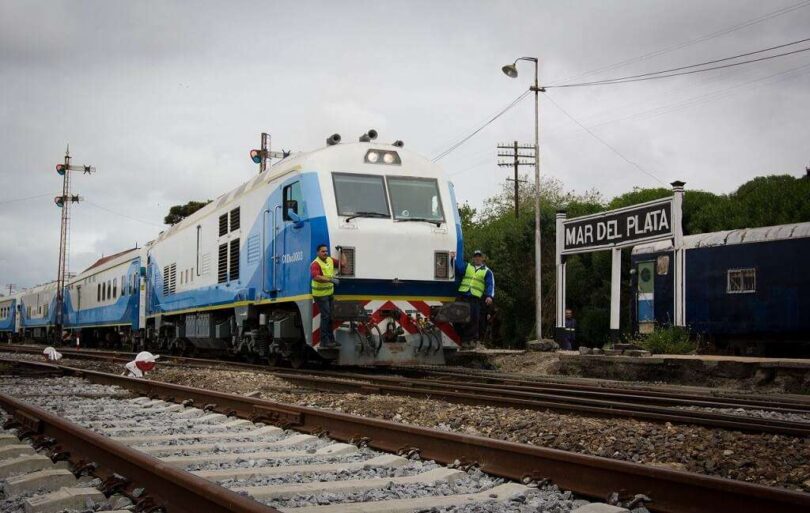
{"points": [[511, 71]]}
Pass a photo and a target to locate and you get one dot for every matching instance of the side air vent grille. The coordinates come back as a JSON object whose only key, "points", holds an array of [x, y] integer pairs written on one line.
{"points": [[235, 219], [222, 264], [223, 225], [234, 274]]}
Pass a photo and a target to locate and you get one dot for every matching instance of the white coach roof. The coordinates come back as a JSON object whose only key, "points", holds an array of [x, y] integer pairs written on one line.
{"points": [[731, 237]]}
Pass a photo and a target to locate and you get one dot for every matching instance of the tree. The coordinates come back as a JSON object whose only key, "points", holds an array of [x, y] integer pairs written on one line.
{"points": [[179, 212]]}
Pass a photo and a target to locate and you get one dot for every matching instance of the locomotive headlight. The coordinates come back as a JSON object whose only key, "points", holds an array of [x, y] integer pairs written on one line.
{"points": [[383, 157]]}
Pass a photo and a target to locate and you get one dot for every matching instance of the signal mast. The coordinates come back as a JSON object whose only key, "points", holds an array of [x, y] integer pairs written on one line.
{"points": [[64, 201]]}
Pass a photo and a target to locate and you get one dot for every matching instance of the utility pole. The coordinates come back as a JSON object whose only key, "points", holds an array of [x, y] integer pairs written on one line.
{"points": [[262, 156], [514, 151], [11, 287], [64, 201]]}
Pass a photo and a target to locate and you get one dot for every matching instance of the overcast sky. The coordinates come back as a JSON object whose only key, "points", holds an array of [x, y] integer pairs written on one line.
{"points": [[167, 98]]}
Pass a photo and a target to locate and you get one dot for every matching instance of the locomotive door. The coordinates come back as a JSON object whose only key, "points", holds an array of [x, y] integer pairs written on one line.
{"points": [[270, 248], [645, 296]]}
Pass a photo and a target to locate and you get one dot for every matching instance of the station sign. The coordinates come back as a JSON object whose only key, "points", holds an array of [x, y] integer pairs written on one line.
{"points": [[645, 222]]}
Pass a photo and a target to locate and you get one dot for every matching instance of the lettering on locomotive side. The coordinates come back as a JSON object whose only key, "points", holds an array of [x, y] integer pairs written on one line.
{"points": [[622, 228], [289, 258]]}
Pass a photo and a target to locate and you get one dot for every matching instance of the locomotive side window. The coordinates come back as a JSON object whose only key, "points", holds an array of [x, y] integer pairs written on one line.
{"points": [[741, 281], [360, 195], [415, 198], [293, 198]]}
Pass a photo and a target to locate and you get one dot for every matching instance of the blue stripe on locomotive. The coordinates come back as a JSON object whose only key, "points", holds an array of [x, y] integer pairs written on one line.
{"points": [[779, 304], [249, 286], [7, 323], [123, 312]]}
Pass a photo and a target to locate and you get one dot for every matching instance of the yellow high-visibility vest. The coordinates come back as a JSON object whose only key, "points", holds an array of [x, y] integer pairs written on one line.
{"points": [[473, 281], [319, 288]]}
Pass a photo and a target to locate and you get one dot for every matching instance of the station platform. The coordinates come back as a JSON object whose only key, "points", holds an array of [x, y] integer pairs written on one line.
{"points": [[786, 374]]}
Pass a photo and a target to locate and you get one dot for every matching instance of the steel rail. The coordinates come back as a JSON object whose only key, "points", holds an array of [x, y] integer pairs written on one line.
{"points": [[622, 393], [174, 489], [604, 404], [477, 396], [672, 491], [729, 398]]}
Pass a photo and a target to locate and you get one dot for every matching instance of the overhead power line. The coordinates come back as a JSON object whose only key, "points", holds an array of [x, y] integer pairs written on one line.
{"points": [[123, 215], [3, 202], [612, 148], [471, 135], [668, 73], [690, 42]]}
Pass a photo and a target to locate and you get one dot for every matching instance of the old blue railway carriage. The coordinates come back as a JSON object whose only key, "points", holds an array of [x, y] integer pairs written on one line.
{"points": [[743, 288]]}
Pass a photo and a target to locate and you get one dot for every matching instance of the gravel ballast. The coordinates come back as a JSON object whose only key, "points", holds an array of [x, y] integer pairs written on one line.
{"points": [[772, 460]]}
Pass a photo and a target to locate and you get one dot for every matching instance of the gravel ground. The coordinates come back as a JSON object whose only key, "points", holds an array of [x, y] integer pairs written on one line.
{"points": [[92, 408], [772, 460], [760, 414]]}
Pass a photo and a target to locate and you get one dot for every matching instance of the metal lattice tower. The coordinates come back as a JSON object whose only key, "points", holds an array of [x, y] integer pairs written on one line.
{"points": [[64, 201]]}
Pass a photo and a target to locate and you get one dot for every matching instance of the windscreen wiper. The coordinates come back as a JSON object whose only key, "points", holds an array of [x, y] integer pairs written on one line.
{"points": [[437, 222], [365, 214]]}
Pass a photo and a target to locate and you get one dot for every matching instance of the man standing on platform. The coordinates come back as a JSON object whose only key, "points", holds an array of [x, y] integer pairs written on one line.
{"points": [[477, 289]]}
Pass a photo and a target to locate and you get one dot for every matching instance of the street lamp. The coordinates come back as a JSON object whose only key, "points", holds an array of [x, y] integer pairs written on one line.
{"points": [[511, 71]]}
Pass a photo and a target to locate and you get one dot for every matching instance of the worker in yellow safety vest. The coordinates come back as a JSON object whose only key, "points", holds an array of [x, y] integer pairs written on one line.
{"points": [[477, 288], [323, 272]]}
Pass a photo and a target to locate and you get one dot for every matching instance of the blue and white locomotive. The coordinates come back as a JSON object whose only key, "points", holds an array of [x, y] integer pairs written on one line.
{"points": [[234, 276]]}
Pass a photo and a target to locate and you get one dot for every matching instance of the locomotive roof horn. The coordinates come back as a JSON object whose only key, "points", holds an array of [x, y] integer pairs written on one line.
{"points": [[333, 140], [368, 136]]}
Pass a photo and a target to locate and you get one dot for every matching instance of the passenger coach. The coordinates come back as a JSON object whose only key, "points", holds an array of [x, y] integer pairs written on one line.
{"points": [[745, 289]]}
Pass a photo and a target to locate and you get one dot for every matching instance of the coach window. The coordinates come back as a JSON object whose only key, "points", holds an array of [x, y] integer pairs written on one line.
{"points": [[741, 281], [360, 195], [292, 193], [115, 288], [98, 293]]}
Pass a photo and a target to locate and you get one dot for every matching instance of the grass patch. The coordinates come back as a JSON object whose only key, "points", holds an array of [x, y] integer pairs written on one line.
{"points": [[669, 340]]}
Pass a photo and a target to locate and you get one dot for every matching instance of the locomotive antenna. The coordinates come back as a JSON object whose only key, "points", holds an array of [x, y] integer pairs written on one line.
{"points": [[64, 201]]}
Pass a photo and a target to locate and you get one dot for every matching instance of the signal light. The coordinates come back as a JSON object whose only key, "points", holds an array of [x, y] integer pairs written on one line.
{"points": [[61, 169], [256, 156]]}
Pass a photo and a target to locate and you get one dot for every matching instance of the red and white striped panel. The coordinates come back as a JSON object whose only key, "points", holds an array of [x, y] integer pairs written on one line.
{"points": [[377, 306]]}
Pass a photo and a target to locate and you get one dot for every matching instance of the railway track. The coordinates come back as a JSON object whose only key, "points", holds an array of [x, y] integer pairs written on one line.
{"points": [[201, 440], [578, 398]]}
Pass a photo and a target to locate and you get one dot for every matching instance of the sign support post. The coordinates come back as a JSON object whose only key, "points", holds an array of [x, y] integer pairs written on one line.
{"points": [[559, 329], [679, 264], [615, 293]]}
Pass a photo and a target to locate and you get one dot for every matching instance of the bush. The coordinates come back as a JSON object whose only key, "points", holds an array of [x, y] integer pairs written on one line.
{"points": [[669, 340]]}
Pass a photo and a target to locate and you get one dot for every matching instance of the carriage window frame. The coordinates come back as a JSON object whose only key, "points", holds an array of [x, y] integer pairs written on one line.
{"points": [[434, 181], [741, 281], [381, 178]]}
